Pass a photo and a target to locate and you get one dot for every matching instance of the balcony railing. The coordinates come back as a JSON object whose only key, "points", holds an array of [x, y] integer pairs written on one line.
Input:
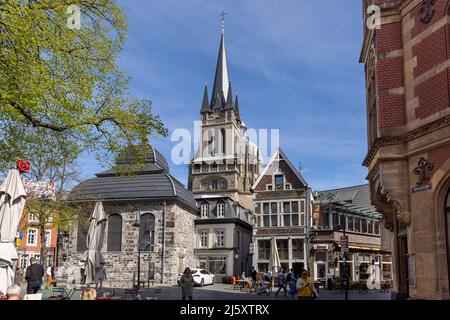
{"points": [[220, 168]]}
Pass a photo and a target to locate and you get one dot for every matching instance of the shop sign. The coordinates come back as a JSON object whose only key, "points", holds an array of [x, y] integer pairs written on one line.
{"points": [[344, 243]]}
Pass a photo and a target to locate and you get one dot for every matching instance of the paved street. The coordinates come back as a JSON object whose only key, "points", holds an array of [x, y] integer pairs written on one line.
{"points": [[226, 292]]}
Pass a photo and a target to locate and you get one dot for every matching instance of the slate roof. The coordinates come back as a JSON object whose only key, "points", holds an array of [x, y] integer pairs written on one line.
{"points": [[358, 195], [153, 182], [355, 199]]}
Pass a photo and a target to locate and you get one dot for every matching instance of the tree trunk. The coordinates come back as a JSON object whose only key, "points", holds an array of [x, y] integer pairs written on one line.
{"points": [[43, 250]]}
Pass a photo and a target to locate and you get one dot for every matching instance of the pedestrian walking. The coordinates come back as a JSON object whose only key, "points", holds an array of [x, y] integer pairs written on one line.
{"points": [[34, 275], [281, 282], [187, 284], [291, 284], [306, 288]]}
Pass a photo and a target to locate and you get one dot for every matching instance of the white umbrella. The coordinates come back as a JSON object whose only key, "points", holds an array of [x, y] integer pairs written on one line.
{"points": [[93, 257], [274, 258], [12, 203]]}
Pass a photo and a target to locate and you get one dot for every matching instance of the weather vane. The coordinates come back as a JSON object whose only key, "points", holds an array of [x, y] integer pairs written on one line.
{"points": [[222, 26]]}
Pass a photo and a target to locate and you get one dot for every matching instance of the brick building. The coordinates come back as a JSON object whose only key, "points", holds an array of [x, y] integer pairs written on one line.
{"points": [[282, 204], [407, 63], [30, 245]]}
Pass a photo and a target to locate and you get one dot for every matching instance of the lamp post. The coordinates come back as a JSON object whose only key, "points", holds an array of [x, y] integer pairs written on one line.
{"points": [[137, 224]]}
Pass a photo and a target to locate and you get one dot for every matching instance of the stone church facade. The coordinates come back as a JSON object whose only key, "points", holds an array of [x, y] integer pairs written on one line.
{"points": [[407, 65], [166, 212], [226, 162]]}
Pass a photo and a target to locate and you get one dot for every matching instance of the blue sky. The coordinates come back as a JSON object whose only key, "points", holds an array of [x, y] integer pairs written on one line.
{"points": [[294, 64]]}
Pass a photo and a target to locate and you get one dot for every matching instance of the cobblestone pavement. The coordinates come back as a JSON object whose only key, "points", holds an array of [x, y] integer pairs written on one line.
{"points": [[226, 292]]}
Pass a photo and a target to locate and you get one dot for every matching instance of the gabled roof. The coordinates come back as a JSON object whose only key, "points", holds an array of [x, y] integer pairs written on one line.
{"points": [[277, 155]]}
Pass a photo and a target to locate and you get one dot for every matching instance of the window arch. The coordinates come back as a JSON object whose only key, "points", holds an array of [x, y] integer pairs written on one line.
{"points": [[114, 233], [447, 229], [224, 143], [147, 231], [82, 232]]}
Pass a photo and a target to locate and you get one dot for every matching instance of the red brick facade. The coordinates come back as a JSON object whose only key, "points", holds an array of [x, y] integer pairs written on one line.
{"points": [[407, 60]]}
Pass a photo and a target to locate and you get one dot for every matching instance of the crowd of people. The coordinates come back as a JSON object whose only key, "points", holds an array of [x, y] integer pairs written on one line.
{"points": [[302, 288], [37, 279]]}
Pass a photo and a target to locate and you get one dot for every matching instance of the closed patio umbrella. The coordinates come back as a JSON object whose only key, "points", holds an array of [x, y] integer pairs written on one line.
{"points": [[93, 257], [12, 203], [274, 258]]}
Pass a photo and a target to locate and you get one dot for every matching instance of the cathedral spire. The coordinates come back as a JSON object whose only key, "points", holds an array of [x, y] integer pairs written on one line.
{"points": [[229, 104], [236, 109], [205, 104], [221, 79]]}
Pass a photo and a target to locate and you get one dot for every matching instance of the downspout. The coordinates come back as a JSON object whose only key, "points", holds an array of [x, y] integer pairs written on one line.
{"points": [[163, 249]]}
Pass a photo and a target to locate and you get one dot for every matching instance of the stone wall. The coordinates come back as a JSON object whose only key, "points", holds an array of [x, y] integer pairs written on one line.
{"points": [[122, 266]]}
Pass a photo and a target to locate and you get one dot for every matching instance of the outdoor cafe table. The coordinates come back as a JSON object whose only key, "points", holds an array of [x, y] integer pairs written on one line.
{"points": [[241, 284]]}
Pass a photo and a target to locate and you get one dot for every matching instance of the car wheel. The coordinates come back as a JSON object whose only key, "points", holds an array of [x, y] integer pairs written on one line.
{"points": [[202, 283]]}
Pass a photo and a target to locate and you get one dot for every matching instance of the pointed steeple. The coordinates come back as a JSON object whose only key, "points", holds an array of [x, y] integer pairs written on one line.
{"points": [[236, 109], [205, 104], [221, 79], [229, 105]]}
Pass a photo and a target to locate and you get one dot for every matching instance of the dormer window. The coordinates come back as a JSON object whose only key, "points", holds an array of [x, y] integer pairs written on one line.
{"points": [[204, 210], [221, 210], [279, 182]]}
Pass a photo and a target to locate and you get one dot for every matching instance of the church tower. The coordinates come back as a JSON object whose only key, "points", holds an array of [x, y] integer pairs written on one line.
{"points": [[226, 163]]}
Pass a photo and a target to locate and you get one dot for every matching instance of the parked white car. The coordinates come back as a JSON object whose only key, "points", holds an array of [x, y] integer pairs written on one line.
{"points": [[201, 277]]}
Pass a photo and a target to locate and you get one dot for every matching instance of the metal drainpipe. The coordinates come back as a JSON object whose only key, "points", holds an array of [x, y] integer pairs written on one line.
{"points": [[163, 242]]}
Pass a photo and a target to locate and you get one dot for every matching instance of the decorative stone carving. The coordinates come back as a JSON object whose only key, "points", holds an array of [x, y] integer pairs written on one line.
{"points": [[404, 218], [423, 167], [427, 10]]}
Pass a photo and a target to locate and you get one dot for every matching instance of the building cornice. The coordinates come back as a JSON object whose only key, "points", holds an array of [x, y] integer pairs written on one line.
{"points": [[405, 138]]}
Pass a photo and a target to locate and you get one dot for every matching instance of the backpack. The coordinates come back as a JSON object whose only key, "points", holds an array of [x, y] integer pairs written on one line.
{"points": [[289, 277]]}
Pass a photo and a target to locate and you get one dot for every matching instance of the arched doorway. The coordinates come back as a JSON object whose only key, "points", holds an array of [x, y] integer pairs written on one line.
{"points": [[447, 230]]}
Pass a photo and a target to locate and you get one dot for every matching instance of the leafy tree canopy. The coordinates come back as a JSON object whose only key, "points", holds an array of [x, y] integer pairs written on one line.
{"points": [[59, 80]]}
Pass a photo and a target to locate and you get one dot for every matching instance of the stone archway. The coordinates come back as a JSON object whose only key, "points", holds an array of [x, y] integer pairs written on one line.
{"points": [[441, 209]]}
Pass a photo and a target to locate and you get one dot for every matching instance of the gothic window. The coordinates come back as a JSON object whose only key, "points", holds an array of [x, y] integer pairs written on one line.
{"points": [[81, 237], [147, 232], [115, 233], [224, 141], [210, 142], [215, 184], [447, 218]]}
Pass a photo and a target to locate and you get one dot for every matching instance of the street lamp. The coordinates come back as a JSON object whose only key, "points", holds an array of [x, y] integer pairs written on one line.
{"points": [[137, 224], [343, 228]]}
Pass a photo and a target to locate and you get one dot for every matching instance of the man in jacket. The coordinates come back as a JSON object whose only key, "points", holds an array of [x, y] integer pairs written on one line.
{"points": [[34, 275]]}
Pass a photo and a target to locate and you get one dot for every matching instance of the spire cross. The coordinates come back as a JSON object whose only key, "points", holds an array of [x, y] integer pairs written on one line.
{"points": [[222, 26]]}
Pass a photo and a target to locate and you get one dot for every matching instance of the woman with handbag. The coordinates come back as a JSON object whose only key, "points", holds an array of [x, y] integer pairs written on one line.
{"points": [[306, 288]]}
